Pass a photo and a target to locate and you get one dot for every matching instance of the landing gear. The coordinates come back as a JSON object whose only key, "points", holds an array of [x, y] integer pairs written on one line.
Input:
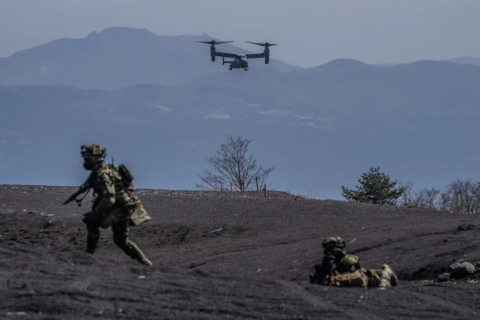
{"points": [[246, 69], [230, 69]]}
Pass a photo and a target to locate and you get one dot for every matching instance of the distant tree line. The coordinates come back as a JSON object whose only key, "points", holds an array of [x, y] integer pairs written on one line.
{"points": [[458, 196], [233, 167], [377, 187]]}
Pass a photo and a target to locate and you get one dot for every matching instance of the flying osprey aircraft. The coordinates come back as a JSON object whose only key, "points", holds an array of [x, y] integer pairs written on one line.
{"points": [[239, 60]]}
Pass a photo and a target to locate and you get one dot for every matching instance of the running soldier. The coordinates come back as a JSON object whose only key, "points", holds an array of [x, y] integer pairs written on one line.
{"points": [[114, 205], [341, 269]]}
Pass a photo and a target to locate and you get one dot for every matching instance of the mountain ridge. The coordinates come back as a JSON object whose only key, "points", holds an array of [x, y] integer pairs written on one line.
{"points": [[309, 124], [466, 60], [116, 58], [328, 123]]}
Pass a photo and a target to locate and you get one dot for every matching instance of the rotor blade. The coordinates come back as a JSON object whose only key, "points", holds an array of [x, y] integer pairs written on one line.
{"points": [[266, 44], [258, 44], [214, 42]]}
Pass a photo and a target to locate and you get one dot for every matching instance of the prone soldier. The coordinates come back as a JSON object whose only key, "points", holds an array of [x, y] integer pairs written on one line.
{"points": [[113, 206], [341, 269]]}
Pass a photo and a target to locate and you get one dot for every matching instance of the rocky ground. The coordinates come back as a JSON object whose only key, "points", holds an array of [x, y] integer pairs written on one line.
{"points": [[229, 255]]}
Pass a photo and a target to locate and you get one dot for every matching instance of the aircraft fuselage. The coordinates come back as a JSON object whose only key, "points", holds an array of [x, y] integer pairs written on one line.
{"points": [[239, 62]]}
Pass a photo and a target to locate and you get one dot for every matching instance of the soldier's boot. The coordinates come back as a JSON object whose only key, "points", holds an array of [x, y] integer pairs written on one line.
{"points": [[144, 260], [392, 277], [92, 238], [132, 250], [388, 278], [139, 255]]}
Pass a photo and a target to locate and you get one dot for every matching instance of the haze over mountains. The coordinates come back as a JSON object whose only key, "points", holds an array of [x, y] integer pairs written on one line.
{"points": [[116, 58], [321, 127], [466, 60]]}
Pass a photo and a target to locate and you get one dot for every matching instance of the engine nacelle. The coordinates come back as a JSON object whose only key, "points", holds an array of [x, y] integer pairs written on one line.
{"points": [[267, 55], [213, 52]]}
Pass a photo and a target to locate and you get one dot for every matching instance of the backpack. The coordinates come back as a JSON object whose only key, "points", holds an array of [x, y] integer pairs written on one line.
{"points": [[127, 177]]}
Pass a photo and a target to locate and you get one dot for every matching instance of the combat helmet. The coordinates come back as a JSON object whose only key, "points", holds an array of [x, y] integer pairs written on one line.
{"points": [[92, 155], [334, 245]]}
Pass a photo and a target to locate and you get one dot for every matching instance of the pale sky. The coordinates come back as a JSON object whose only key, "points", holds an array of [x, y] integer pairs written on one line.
{"points": [[310, 32]]}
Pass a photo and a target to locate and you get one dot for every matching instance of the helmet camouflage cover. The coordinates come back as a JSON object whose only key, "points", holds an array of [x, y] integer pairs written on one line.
{"points": [[93, 151], [333, 244]]}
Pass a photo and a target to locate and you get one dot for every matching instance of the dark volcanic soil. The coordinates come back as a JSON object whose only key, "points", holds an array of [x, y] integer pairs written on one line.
{"points": [[228, 255]]}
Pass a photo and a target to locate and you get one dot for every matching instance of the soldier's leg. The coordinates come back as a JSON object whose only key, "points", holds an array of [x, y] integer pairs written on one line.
{"points": [[375, 279], [93, 231], [92, 238], [382, 278], [388, 272], [120, 237]]}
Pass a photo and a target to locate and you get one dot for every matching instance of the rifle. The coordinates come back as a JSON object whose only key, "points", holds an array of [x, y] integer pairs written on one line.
{"points": [[331, 269], [83, 188]]}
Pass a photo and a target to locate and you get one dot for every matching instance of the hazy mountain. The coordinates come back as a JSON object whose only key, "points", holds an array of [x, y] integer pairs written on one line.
{"points": [[321, 127], [466, 60], [117, 58], [345, 87]]}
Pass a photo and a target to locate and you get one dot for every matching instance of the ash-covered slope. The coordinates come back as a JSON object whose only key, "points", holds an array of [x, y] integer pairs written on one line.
{"points": [[228, 254], [116, 58]]}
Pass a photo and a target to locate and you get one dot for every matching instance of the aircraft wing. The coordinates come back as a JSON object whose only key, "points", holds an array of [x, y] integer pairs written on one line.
{"points": [[255, 55], [225, 54]]}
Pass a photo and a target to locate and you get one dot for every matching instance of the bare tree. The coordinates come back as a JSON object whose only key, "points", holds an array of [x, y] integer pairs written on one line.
{"points": [[232, 165], [408, 198], [462, 196], [424, 198], [428, 198], [459, 196]]}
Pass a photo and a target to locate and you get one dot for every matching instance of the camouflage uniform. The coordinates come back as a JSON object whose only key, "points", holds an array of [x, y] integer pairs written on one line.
{"points": [[341, 269], [113, 205]]}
